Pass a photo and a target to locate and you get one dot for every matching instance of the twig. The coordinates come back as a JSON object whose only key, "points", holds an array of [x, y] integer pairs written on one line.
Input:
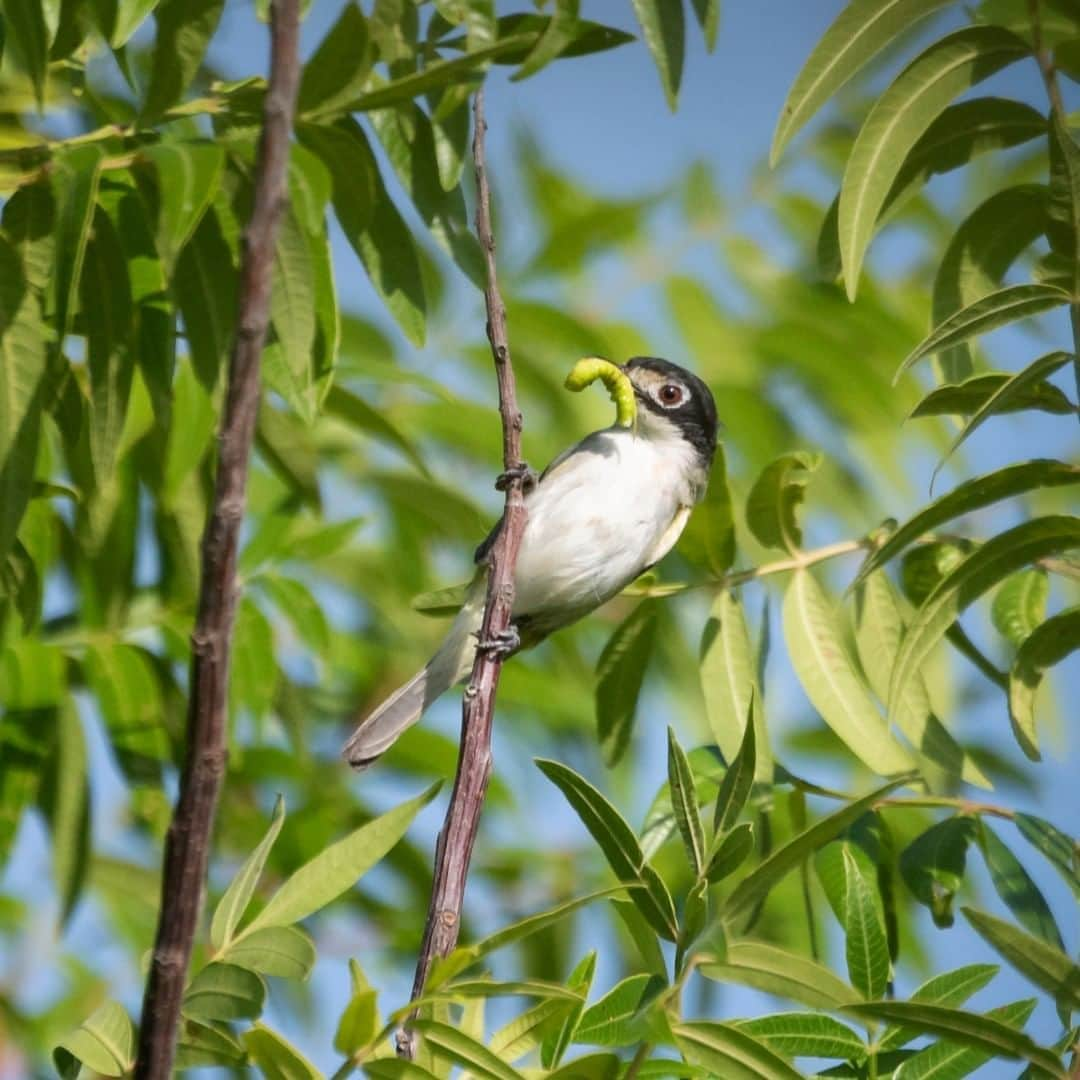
{"points": [[455, 844], [188, 840], [1057, 107]]}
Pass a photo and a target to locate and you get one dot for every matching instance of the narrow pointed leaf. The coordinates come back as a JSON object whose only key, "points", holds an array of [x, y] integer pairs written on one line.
{"points": [[728, 1051], [805, 1035], [730, 853], [275, 1057], [612, 1019], [684, 803], [969, 396], [867, 950], [830, 680], [664, 29], [738, 782], [446, 1041], [1061, 851], [184, 29]]}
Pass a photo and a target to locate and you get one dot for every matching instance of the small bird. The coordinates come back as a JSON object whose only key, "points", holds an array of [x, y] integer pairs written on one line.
{"points": [[600, 515]]}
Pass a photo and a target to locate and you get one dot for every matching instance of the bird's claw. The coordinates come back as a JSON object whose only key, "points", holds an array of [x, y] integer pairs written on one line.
{"points": [[529, 477], [501, 643]]}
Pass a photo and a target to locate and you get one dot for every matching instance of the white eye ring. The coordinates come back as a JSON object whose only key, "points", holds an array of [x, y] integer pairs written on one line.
{"points": [[670, 395]]}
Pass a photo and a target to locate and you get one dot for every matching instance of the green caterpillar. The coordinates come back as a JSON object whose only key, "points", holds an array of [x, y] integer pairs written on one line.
{"points": [[587, 371]]}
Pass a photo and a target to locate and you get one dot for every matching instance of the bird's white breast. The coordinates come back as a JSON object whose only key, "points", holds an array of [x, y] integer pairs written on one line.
{"points": [[600, 516]]}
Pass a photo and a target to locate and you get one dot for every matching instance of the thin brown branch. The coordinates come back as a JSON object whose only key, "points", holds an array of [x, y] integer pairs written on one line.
{"points": [[188, 841], [454, 848], [1048, 71]]}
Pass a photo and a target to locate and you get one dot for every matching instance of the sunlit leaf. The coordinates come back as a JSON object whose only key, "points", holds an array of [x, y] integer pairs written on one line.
{"points": [[774, 500], [1020, 605], [620, 673], [664, 29], [1061, 851], [276, 1058], [729, 1051], [184, 29], [224, 992], [105, 1043], [804, 1035], [614, 1019], [933, 864], [447, 1041], [684, 803], [867, 949]]}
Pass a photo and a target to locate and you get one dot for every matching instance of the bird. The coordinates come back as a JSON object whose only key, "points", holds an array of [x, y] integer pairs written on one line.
{"points": [[602, 513]]}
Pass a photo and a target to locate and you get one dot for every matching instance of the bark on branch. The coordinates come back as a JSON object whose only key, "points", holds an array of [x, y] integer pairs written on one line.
{"points": [[455, 844], [188, 840]]}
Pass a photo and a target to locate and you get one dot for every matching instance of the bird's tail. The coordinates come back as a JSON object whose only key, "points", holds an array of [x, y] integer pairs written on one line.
{"points": [[378, 731]]}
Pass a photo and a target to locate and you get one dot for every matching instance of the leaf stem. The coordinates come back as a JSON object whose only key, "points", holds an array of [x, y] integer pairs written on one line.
{"points": [[187, 843], [965, 806], [454, 847], [1045, 60]]}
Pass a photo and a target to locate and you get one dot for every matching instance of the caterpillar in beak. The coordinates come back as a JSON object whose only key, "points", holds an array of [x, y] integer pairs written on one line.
{"points": [[586, 371]]}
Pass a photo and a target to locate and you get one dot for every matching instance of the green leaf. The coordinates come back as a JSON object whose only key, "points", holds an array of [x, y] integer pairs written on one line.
{"points": [[355, 411], [359, 1023], [397, 1069], [728, 1051], [727, 855], [776, 971], [709, 537], [276, 1058], [187, 174], [285, 951], [738, 782], [856, 36], [643, 936], [1063, 211], [830, 680], [1020, 605], [1022, 382], [295, 602], [557, 35], [867, 950], [879, 628], [972, 495], [224, 992], [29, 41], [32, 675], [951, 988], [201, 1045], [981, 1032], [708, 16], [23, 387], [775, 498], [1015, 887], [1061, 851], [323, 878], [556, 1042], [899, 118], [979, 572], [1007, 305], [684, 803], [74, 177], [339, 67], [620, 672], [107, 313], [982, 249], [949, 1061], [446, 1041], [184, 29], [1047, 967], [804, 1035], [441, 602], [104, 1043], [1047, 645], [933, 864], [729, 684], [969, 396], [757, 884], [618, 843], [614, 1020], [130, 15], [664, 29]]}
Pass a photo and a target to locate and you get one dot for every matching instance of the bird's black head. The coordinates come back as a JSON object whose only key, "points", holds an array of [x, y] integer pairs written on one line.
{"points": [[669, 392]]}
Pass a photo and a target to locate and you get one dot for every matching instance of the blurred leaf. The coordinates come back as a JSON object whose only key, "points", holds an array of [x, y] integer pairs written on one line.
{"points": [[184, 29], [867, 949], [336, 868], [105, 1043], [29, 40], [855, 37], [130, 15], [559, 32], [356, 412], [900, 116], [1020, 605], [75, 177], [664, 29], [446, 1041], [760, 881], [684, 803], [735, 788], [441, 602], [32, 675], [969, 1029], [728, 1051], [1047, 645], [224, 992], [26, 739], [359, 1023], [981, 570], [276, 1058], [829, 678], [232, 905], [620, 672], [709, 536], [708, 15], [729, 684], [1063, 211], [971, 495], [982, 249], [945, 1059], [618, 843], [339, 67], [1015, 887], [1061, 851], [294, 601], [998, 309], [804, 1035], [933, 865], [776, 496]]}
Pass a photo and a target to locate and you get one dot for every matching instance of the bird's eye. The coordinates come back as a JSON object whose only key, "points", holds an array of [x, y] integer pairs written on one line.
{"points": [[670, 394]]}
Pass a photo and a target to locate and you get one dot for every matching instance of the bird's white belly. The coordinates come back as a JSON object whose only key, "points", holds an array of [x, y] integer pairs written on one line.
{"points": [[595, 522]]}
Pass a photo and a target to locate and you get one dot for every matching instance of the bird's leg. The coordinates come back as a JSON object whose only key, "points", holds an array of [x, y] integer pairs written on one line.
{"points": [[501, 644], [529, 478]]}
